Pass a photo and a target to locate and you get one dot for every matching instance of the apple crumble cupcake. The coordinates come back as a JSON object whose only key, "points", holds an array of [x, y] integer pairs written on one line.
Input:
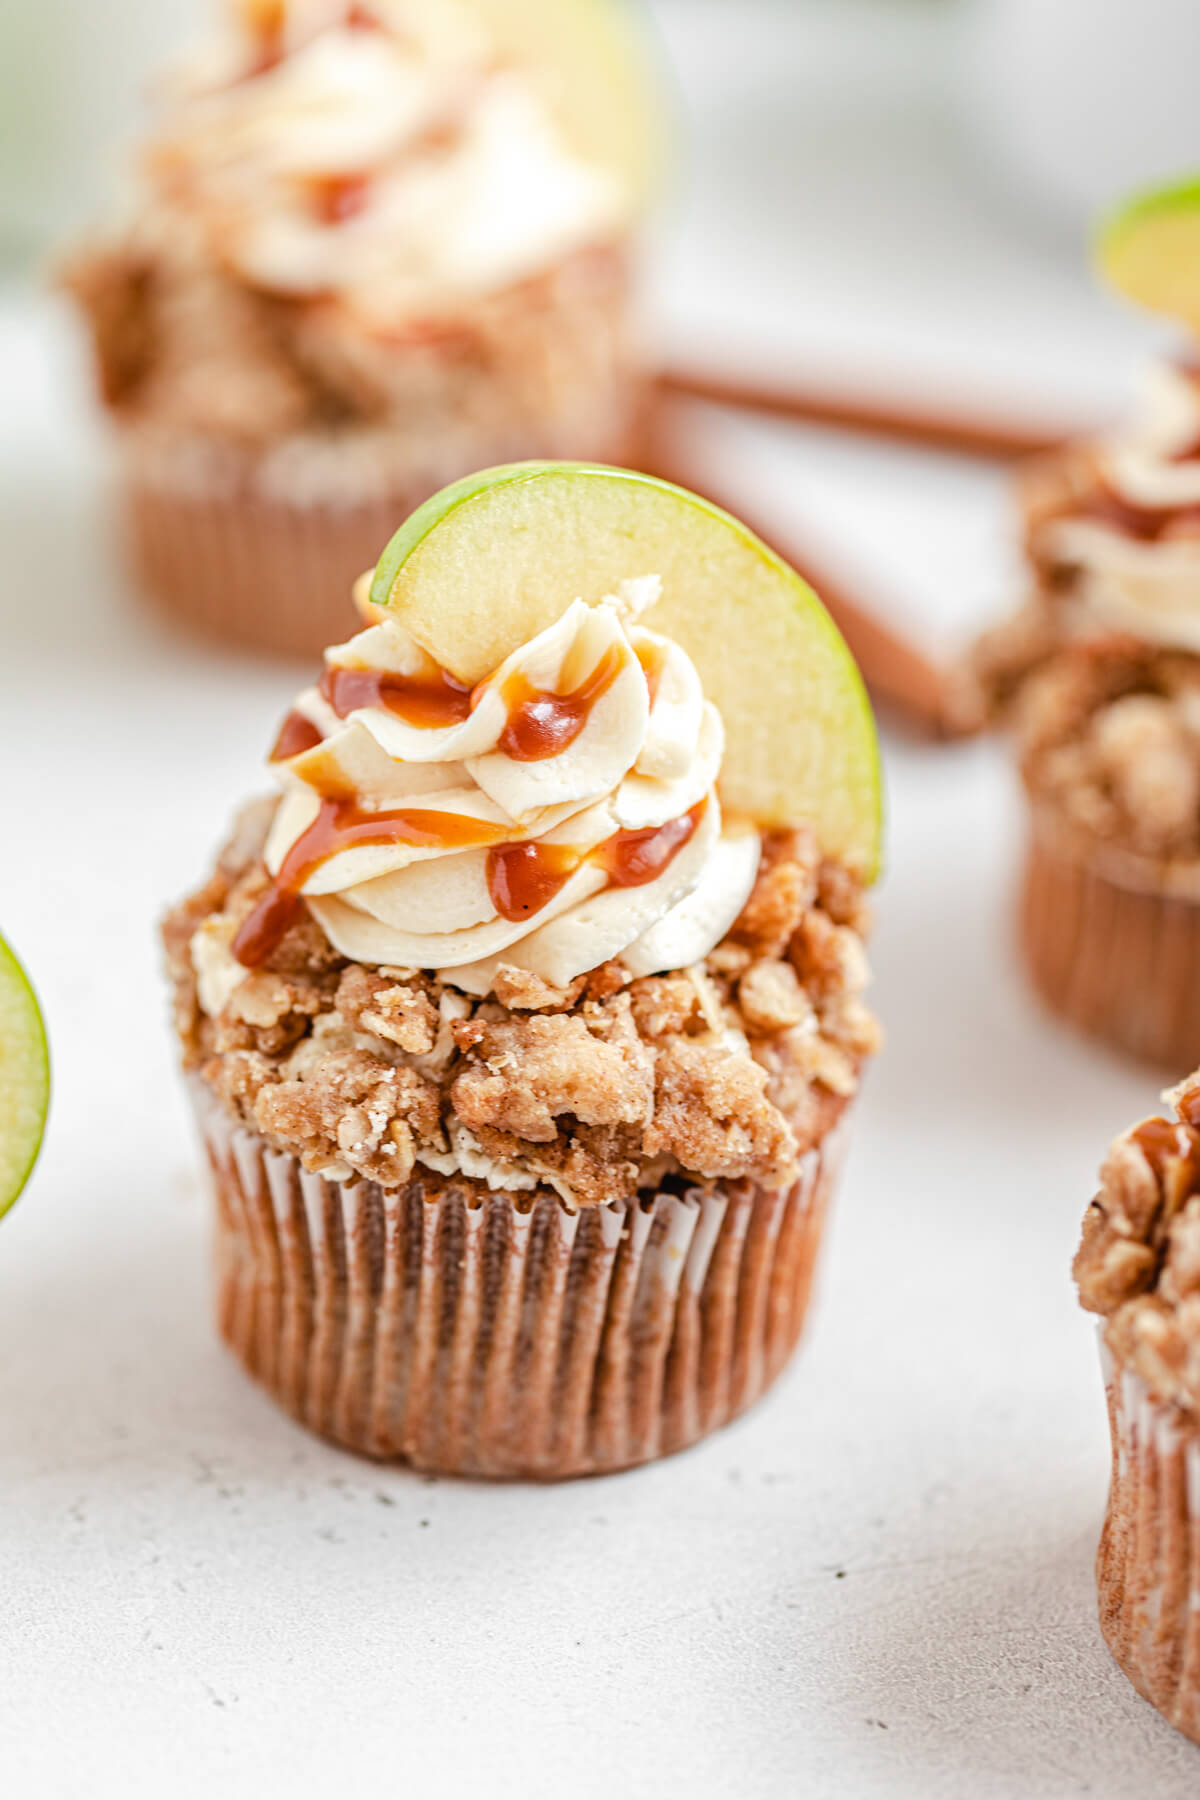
{"points": [[366, 257], [1138, 1267], [1101, 676], [522, 1030]]}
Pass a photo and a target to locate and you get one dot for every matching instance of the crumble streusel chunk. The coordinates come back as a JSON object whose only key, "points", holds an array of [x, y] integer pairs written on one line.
{"points": [[1138, 1262], [729, 1069]]}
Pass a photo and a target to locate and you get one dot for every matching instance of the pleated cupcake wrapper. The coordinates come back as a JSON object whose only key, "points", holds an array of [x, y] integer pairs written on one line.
{"points": [[1120, 961], [507, 1335], [256, 567], [1148, 1566]]}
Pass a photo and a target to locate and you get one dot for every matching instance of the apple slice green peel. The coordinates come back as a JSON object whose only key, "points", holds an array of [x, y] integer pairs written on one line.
{"points": [[491, 561], [1149, 250], [24, 1078]]}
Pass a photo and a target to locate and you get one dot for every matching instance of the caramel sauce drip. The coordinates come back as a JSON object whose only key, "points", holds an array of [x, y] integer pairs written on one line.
{"points": [[296, 735], [361, 18], [337, 198], [542, 724], [632, 858], [267, 22], [341, 824], [433, 701], [522, 878], [653, 659]]}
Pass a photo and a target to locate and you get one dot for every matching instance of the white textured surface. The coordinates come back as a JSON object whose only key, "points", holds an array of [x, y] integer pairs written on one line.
{"points": [[879, 1584]]}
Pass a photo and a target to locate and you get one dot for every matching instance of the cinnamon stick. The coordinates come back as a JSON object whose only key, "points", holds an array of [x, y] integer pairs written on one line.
{"points": [[970, 434]]}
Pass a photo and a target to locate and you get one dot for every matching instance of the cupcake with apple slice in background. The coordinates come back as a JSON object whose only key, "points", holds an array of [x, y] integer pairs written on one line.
{"points": [[1101, 677], [524, 1025], [372, 246]]}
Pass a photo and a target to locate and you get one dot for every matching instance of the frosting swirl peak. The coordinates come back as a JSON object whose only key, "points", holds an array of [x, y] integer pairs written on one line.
{"points": [[561, 814], [376, 154]]}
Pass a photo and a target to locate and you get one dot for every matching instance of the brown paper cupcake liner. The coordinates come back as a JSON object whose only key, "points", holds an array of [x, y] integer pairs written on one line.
{"points": [[506, 1335], [1121, 961], [1148, 1565], [223, 553]]}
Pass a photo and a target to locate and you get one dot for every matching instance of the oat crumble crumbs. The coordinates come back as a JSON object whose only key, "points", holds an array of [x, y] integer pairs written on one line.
{"points": [[1110, 739], [1138, 1263], [185, 347], [729, 1069]]}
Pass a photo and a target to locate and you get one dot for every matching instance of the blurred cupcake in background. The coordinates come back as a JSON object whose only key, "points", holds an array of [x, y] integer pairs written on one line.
{"points": [[374, 246], [1101, 673]]}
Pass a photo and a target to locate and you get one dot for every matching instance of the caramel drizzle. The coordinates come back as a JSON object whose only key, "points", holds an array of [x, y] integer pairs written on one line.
{"points": [[541, 724], [296, 735], [267, 20], [429, 701], [336, 198], [523, 878], [341, 824]]}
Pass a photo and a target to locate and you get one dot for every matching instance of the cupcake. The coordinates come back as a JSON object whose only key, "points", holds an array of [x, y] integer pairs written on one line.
{"points": [[523, 1026], [1100, 675], [1138, 1266], [366, 256]]}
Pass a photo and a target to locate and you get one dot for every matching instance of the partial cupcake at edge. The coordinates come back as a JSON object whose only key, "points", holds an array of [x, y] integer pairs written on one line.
{"points": [[372, 247], [524, 1024], [1100, 677], [1138, 1267]]}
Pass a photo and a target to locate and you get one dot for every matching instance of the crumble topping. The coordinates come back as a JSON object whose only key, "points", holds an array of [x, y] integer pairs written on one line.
{"points": [[731, 1068], [1110, 738], [1138, 1263], [182, 345]]}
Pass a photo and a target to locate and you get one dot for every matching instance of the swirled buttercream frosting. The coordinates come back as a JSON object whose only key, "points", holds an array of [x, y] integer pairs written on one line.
{"points": [[1133, 539], [561, 814], [378, 153]]}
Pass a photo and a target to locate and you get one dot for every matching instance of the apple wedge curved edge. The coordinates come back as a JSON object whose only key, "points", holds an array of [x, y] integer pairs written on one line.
{"points": [[1149, 249], [24, 1078], [495, 558]]}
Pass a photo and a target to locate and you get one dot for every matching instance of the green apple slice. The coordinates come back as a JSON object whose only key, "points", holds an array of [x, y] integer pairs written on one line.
{"points": [[595, 64], [24, 1078], [1150, 250], [489, 562]]}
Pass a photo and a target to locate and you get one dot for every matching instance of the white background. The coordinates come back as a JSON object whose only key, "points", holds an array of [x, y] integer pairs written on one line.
{"points": [[878, 1584]]}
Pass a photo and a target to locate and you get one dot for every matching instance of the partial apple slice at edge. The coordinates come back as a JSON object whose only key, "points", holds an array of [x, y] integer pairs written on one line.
{"points": [[492, 560], [1149, 250], [24, 1078]]}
